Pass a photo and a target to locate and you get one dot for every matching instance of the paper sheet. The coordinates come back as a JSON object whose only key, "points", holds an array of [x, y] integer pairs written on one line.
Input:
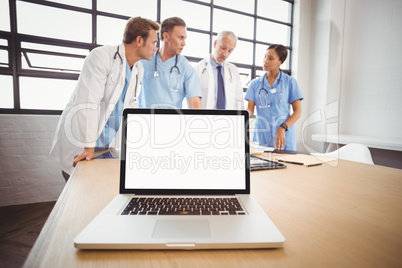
{"points": [[300, 159]]}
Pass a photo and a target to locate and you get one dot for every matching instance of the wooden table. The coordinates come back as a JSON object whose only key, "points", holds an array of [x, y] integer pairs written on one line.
{"points": [[344, 216]]}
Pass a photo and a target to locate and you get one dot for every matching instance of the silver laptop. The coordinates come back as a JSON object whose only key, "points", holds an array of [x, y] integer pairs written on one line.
{"points": [[184, 184]]}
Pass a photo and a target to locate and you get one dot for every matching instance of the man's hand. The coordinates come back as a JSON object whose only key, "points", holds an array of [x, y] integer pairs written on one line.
{"points": [[87, 154]]}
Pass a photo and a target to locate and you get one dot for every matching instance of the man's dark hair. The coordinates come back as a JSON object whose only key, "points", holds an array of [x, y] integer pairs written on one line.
{"points": [[169, 23]]}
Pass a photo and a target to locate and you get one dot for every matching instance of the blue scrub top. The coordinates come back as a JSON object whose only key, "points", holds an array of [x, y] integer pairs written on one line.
{"points": [[269, 119], [155, 91]]}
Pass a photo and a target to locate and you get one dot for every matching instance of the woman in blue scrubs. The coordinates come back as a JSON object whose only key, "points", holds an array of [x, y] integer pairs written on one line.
{"points": [[273, 94]]}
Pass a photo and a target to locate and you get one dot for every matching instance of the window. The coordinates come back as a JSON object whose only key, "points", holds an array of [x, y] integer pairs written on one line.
{"points": [[57, 92], [4, 16], [130, 8], [58, 23], [43, 44], [110, 30], [195, 15], [3, 53], [224, 20], [6, 91]]}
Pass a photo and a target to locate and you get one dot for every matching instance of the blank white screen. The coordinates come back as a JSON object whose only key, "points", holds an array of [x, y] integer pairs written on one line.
{"points": [[166, 151]]}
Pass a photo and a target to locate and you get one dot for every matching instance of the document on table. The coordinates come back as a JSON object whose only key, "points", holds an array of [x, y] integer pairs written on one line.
{"points": [[303, 159], [297, 159]]}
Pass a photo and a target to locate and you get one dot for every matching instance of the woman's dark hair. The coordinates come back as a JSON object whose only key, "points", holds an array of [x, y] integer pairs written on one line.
{"points": [[280, 50]]}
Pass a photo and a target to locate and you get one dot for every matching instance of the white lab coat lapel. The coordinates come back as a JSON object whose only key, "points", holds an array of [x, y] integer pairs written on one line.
{"points": [[229, 93], [115, 90], [207, 84], [118, 88], [133, 90]]}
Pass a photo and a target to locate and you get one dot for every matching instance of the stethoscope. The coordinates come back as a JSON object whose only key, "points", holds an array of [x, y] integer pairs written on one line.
{"points": [[118, 54], [171, 73], [273, 91], [134, 99], [205, 69]]}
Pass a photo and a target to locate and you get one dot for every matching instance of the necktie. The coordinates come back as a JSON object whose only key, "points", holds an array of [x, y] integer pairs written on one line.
{"points": [[221, 101]]}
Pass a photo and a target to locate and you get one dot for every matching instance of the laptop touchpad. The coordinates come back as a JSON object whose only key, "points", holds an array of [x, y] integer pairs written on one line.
{"points": [[182, 229]]}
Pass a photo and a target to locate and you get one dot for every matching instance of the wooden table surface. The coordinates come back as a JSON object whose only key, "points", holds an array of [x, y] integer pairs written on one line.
{"points": [[344, 216]]}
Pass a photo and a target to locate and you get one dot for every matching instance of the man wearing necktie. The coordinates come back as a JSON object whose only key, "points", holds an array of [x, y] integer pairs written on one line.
{"points": [[220, 100], [220, 80]]}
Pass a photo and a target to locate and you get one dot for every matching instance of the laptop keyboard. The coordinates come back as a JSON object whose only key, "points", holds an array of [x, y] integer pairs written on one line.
{"points": [[183, 206]]}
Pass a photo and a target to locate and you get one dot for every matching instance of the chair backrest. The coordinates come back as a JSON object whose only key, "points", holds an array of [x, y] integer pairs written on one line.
{"points": [[353, 152]]}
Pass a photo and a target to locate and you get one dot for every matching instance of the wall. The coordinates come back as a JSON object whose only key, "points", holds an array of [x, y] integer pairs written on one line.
{"points": [[318, 44], [350, 70], [27, 174], [372, 80]]}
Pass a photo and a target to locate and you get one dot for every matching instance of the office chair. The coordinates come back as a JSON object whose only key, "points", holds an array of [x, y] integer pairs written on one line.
{"points": [[353, 152]]}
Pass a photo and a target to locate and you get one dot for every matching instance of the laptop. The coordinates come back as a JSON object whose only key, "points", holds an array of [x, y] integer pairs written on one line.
{"points": [[184, 184], [257, 163]]}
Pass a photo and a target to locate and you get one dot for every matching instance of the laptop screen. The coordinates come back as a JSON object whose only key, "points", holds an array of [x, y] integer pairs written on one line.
{"points": [[166, 151]]}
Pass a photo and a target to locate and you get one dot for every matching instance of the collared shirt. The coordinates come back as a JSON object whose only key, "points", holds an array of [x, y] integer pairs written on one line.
{"points": [[215, 70], [160, 91]]}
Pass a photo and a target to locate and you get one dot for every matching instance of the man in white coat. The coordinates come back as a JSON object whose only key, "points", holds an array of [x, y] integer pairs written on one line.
{"points": [[215, 94], [108, 83]]}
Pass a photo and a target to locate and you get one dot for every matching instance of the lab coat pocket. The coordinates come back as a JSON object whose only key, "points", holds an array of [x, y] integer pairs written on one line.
{"points": [[114, 76]]}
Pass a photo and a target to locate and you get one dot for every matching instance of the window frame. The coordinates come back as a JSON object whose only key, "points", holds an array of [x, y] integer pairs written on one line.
{"points": [[15, 39]]}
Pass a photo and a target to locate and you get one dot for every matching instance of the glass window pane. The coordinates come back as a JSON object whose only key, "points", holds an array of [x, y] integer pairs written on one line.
{"points": [[260, 54], [243, 5], [273, 32], [4, 58], [78, 3], [243, 53], [245, 76], [131, 8], [195, 16], [3, 42], [259, 73], [6, 92], [39, 60], [285, 65], [242, 26], [274, 9], [35, 19], [76, 51], [57, 92], [110, 30], [51, 62], [4, 16], [197, 45]]}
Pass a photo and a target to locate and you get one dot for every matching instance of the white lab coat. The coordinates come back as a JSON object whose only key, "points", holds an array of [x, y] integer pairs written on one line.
{"points": [[98, 89], [233, 87]]}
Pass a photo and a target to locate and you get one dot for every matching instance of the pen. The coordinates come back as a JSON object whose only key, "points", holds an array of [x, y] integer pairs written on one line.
{"points": [[290, 162], [312, 165]]}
